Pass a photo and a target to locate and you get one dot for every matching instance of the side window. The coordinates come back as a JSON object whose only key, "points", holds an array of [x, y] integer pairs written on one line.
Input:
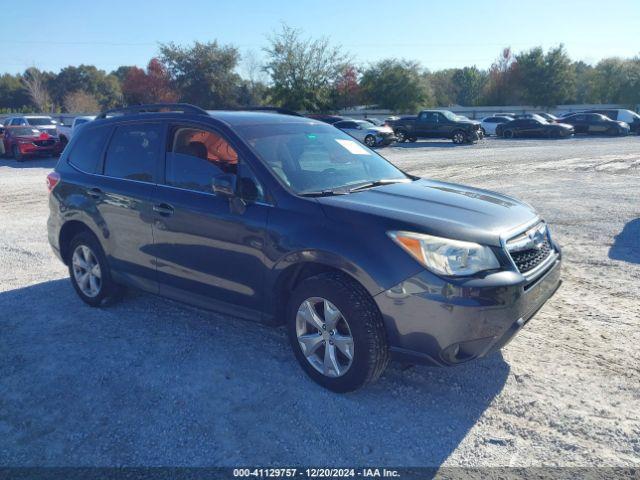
{"points": [[86, 150], [196, 156], [134, 152]]}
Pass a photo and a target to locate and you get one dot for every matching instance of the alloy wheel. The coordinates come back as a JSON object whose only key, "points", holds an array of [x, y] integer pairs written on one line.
{"points": [[370, 141], [458, 137], [86, 271], [324, 337]]}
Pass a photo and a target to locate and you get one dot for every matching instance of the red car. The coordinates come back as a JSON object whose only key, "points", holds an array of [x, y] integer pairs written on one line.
{"points": [[20, 142]]}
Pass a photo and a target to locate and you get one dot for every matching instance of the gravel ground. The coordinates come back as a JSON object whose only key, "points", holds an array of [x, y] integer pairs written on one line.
{"points": [[153, 382]]}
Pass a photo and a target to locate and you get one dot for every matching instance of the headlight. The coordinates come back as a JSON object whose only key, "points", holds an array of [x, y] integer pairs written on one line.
{"points": [[446, 256]]}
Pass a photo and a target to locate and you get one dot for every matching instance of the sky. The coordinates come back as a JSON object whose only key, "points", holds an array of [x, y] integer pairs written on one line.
{"points": [[439, 34]]}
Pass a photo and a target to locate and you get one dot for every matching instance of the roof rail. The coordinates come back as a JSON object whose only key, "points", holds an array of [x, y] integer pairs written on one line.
{"points": [[260, 108], [153, 107]]}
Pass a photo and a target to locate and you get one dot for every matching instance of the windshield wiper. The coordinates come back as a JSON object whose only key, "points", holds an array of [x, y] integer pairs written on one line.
{"points": [[378, 183], [323, 193]]}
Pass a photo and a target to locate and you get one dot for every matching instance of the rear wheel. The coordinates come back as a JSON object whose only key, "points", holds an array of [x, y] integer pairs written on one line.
{"points": [[401, 136], [336, 332], [370, 141], [89, 271]]}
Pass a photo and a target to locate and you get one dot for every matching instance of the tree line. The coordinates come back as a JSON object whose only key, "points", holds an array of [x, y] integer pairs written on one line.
{"points": [[313, 75]]}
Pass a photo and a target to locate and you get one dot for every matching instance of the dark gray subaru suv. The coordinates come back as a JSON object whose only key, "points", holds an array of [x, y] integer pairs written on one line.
{"points": [[285, 219]]}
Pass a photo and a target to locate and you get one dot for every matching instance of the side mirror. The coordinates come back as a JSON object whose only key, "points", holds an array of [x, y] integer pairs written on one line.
{"points": [[224, 185]]}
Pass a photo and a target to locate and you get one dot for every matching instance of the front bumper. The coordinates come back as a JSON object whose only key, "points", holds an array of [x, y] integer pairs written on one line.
{"points": [[383, 140], [435, 321]]}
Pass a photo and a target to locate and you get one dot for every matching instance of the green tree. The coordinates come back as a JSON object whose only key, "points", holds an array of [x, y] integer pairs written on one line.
{"points": [[203, 74], [13, 96], [87, 78], [302, 71], [546, 79], [442, 86], [469, 83], [398, 85]]}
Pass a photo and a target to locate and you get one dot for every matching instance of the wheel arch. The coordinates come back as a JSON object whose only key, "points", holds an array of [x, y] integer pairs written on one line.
{"points": [[67, 233], [288, 274]]}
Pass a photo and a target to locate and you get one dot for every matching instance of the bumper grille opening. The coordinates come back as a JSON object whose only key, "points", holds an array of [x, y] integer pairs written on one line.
{"points": [[527, 260]]}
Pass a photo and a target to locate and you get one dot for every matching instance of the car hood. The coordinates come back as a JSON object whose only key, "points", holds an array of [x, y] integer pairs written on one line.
{"points": [[380, 129], [437, 208]]}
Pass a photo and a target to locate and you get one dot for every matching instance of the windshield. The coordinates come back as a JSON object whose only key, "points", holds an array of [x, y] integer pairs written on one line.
{"points": [[314, 158], [39, 121], [25, 131], [449, 115]]}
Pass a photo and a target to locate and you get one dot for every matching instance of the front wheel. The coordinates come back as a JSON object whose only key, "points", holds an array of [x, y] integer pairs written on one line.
{"points": [[458, 137], [370, 141], [336, 332], [89, 271], [508, 134], [17, 154]]}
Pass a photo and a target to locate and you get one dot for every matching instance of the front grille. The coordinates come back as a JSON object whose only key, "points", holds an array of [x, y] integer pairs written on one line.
{"points": [[527, 260], [44, 143], [531, 248]]}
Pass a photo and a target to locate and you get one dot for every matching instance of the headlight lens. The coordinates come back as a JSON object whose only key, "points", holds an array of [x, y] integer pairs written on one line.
{"points": [[446, 256]]}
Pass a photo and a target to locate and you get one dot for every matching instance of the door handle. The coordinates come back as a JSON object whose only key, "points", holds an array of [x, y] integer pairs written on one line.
{"points": [[95, 193], [163, 209]]}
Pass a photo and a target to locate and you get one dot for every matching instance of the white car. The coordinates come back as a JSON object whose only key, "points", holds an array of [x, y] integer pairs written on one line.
{"points": [[65, 132], [367, 133], [489, 124]]}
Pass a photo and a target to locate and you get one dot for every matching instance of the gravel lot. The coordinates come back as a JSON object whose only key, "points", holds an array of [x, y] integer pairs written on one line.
{"points": [[153, 382]]}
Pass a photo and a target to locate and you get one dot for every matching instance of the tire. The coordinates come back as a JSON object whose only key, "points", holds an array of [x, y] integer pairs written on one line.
{"points": [[401, 136], [63, 141], [16, 154], [370, 141], [459, 137], [363, 321], [483, 132], [508, 134], [108, 291]]}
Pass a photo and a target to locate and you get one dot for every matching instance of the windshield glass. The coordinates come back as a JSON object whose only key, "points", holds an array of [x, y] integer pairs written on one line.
{"points": [[312, 158], [39, 121], [449, 115], [25, 131]]}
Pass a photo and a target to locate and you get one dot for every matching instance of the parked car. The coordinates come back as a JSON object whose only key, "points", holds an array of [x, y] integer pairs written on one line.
{"points": [[531, 127], [22, 142], [330, 119], [621, 115], [375, 121], [549, 117], [436, 124], [42, 123], [367, 133], [594, 123], [284, 220], [2, 151], [489, 124], [65, 132]]}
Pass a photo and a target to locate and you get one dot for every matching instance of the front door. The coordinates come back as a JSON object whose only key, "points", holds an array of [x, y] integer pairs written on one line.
{"points": [[209, 248]]}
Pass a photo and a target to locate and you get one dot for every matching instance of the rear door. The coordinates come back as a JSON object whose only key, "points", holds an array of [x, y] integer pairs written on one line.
{"points": [[209, 248], [123, 200], [426, 124]]}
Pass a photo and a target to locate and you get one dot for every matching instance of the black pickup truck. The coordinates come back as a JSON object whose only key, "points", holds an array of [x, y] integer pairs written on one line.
{"points": [[436, 124]]}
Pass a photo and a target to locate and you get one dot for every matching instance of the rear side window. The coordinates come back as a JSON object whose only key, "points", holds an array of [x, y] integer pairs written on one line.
{"points": [[87, 149], [134, 152]]}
